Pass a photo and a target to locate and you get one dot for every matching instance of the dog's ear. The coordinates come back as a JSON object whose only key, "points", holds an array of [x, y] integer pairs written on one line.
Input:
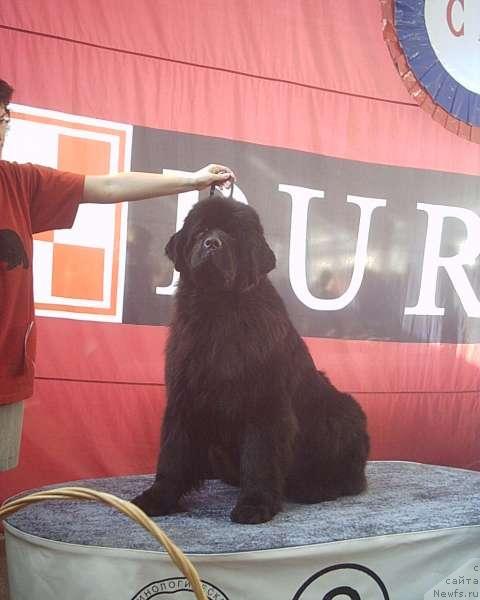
{"points": [[265, 257], [261, 261], [174, 250]]}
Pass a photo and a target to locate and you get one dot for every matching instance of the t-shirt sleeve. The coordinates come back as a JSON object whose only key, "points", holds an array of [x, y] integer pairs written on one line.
{"points": [[55, 196]]}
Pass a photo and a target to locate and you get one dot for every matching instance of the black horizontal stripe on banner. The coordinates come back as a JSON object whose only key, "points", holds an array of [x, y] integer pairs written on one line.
{"points": [[403, 210]]}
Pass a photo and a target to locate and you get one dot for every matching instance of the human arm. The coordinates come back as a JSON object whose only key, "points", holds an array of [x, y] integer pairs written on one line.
{"points": [[127, 187]]}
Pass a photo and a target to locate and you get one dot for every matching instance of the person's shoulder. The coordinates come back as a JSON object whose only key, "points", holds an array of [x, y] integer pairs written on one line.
{"points": [[26, 176], [9, 169], [7, 165], [24, 170]]}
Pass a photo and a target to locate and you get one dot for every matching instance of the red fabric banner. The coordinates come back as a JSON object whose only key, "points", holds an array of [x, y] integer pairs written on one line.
{"points": [[308, 76]]}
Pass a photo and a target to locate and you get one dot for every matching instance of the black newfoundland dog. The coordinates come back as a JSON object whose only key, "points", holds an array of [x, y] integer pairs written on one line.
{"points": [[245, 401]]}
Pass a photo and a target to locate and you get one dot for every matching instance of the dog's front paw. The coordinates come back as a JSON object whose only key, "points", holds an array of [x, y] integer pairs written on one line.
{"points": [[253, 513], [154, 504]]}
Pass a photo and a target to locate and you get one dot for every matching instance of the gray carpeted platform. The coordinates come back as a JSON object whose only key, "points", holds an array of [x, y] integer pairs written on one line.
{"points": [[402, 498]]}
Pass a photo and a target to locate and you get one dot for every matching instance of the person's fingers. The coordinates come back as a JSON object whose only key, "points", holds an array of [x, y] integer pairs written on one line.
{"points": [[222, 170], [214, 174], [223, 176], [224, 181], [218, 168]]}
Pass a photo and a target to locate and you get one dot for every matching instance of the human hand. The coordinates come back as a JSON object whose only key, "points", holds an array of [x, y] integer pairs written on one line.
{"points": [[213, 174]]}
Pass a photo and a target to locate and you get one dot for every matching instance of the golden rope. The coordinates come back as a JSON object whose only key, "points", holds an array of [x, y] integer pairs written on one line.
{"points": [[127, 508]]}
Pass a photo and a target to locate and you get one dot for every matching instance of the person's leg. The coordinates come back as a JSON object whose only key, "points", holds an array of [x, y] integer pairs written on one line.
{"points": [[11, 419]]}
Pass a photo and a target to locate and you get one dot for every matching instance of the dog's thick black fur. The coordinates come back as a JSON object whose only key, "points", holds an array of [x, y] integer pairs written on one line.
{"points": [[245, 401]]}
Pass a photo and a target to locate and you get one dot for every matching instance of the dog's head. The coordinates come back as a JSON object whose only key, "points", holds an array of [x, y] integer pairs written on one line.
{"points": [[221, 246]]}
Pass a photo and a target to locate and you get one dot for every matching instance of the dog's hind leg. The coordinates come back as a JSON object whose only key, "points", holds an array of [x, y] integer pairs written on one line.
{"points": [[355, 484], [304, 488], [311, 494]]}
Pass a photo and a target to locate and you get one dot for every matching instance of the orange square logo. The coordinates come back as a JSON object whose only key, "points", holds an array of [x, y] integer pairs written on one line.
{"points": [[84, 156], [79, 272]]}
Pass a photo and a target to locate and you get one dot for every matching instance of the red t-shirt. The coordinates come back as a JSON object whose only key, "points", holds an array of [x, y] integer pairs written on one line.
{"points": [[32, 199]]}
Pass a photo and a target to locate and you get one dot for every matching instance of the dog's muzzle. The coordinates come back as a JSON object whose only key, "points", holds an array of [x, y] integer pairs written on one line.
{"points": [[210, 248], [212, 260], [212, 243]]}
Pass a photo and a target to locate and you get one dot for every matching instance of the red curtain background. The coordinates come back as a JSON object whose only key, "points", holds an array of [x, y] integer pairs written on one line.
{"points": [[310, 76]]}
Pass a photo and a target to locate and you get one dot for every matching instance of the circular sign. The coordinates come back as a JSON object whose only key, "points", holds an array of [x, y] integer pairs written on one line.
{"points": [[346, 581], [179, 587], [435, 45], [453, 28]]}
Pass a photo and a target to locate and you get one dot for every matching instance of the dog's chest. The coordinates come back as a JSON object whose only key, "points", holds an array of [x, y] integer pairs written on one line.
{"points": [[221, 347], [215, 348]]}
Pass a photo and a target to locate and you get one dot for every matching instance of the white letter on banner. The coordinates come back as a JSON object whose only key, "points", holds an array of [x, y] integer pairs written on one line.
{"points": [[432, 260], [300, 202], [186, 200]]}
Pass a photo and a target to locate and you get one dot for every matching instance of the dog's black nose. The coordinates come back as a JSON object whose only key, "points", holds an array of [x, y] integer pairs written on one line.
{"points": [[212, 242]]}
